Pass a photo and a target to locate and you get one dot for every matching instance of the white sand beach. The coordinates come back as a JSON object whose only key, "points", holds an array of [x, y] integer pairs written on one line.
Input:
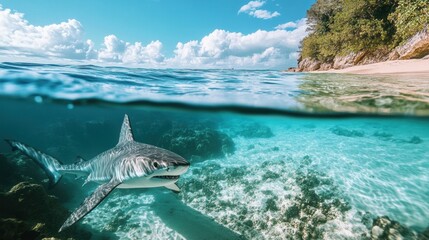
{"points": [[405, 67]]}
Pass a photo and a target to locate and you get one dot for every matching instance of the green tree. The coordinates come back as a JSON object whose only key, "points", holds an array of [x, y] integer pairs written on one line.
{"points": [[339, 27], [410, 17]]}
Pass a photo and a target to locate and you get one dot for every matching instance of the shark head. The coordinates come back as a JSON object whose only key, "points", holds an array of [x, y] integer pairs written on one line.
{"points": [[168, 167], [147, 166], [152, 167]]}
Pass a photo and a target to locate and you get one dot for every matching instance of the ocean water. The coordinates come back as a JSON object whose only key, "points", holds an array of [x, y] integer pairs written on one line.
{"points": [[273, 155]]}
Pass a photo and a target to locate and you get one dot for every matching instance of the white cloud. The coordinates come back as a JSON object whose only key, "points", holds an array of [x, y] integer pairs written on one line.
{"points": [[116, 50], [291, 25], [55, 40], [233, 49], [219, 49], [264, 14], [252, 8], [65, 40], [113, 49]]}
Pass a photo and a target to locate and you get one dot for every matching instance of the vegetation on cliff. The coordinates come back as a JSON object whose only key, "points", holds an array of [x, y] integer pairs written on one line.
{"points": [[341, 27]]}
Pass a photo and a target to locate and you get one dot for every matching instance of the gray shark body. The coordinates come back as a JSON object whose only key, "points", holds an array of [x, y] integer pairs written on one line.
{"points": [[129, 164]]}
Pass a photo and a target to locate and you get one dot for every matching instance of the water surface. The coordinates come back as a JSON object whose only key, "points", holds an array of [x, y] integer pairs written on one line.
{"points": [[273, 155]]}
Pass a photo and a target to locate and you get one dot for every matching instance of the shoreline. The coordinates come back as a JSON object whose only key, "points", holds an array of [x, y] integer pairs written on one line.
{"points": [[418, 67]]}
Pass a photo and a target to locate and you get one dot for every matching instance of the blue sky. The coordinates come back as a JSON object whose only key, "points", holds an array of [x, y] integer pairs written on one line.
{"points": [[158, 26]]}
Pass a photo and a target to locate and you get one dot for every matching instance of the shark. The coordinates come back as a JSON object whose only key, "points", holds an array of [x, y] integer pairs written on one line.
{"points": [[129, 164]]}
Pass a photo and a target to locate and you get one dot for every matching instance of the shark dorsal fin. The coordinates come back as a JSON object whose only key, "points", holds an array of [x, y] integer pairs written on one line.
{"points": [[126, 133]]}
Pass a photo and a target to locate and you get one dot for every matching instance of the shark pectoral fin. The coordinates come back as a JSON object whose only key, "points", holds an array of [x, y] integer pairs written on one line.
{"points": [[173, 187], [87, 180], [90, 203]]}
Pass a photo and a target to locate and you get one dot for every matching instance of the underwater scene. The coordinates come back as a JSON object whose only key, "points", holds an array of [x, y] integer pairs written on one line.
{"points": [[273, 155]]}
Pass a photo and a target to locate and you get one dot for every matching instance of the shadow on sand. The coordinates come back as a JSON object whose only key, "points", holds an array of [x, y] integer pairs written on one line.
{"points": [[186, 221]]}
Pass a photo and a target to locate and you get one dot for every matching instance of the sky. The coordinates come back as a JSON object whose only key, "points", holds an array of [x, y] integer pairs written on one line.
{"points": [[260, 34]]}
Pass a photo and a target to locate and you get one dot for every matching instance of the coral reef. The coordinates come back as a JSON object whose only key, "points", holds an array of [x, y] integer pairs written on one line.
{"points": [[278, 202]]}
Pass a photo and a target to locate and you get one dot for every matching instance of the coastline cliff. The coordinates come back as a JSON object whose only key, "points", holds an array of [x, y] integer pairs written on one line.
{"points": [[345, 33]]}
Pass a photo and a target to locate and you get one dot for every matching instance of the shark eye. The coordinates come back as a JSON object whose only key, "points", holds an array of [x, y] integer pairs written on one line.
{"points": [[155, 164]]}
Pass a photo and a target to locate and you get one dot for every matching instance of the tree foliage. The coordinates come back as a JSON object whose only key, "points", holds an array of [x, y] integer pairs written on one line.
{"points": [[410, 17], [339, 27]]}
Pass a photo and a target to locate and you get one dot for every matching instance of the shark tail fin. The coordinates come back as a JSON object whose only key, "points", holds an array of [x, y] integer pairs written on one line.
{"points": [[49, 164]]}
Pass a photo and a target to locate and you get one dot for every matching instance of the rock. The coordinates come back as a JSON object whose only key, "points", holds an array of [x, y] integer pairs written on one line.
{"points": [[308, 64], [380, 55], [254, 130], [319, 218], [383, 135], [367, 220], [384, 228], [28, 212], [30, 202], [376, 232], [340, 62], [292, 212], [292, 69], [424, 235], [203, 143], [12, 228], [394, 55], [16, 167], [415, 140], [325, 66], [347, 133], [416, 47], [270, 204], [270, 175], [344, 61]]}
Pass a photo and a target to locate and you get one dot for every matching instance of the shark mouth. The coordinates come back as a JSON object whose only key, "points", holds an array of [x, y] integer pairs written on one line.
{"points": [[167, 177]]}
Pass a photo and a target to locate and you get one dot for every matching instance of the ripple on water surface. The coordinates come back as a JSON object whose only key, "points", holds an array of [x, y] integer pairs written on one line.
{"points": [[275, 90]]}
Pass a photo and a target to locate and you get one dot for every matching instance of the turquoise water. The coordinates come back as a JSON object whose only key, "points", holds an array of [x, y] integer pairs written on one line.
{"points": [[273, 155]]}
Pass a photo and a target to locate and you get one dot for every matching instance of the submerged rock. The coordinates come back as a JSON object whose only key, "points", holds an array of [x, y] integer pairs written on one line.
{"points": [[28, 212], [389, 137], [202, 143], [254, 130], [384, 228], [384, 136], [415, 140], [16, 167], [196, 139], [424, 235], [347, 133]]}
